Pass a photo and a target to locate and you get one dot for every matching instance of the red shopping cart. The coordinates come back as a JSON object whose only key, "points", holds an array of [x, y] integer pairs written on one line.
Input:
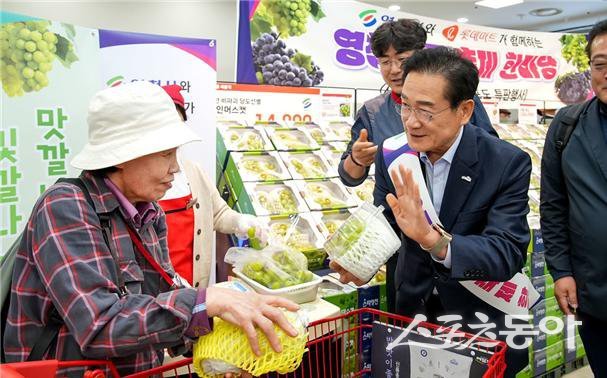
{"points": [[95, 369], [337, 347], [50, 368]]}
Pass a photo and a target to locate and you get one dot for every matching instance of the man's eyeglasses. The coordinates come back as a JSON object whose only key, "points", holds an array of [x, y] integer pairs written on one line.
{"points": [[423, 116], [387, 63], [598, 65]]}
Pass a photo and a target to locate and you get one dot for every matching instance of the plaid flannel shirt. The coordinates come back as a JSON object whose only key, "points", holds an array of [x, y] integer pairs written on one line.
{"points": [[63, 261]]}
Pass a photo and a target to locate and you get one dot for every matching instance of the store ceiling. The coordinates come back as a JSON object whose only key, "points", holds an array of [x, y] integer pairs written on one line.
{"points": [[576, 16]]}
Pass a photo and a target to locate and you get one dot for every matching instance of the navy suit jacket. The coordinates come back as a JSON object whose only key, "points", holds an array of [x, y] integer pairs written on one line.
{"points": [[487, 218]]}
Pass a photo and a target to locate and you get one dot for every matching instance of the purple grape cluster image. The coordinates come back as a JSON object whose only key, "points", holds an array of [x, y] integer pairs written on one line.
{"points": [[275, 64], [573, 87]]}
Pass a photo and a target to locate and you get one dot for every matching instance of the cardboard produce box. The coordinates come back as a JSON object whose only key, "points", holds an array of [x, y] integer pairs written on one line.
{"points": [[330, 220], [337, 130], [308, 165], [242, 139], [281, 198], [325, 194], [363, 192], [300, 233], [254, 167], [292, 139]]}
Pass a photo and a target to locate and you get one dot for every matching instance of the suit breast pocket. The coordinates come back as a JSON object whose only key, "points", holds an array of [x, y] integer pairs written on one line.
{"points": [[132, 276], [471, 221]]}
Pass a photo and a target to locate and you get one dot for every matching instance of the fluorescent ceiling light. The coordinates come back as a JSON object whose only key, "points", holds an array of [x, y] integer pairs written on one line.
{"points": [[394, 8], [545, 12], [497, 4], [462, 20]]}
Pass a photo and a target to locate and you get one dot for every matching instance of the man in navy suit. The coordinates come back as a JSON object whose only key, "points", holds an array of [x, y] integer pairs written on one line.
{"points": [[478, 185]]}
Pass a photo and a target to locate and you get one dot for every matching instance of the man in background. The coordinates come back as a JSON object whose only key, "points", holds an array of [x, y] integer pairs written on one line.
{"points": [[573, 209]]}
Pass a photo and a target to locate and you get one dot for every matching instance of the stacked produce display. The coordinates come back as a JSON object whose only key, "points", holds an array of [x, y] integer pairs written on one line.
{"points": [[547, 352], [530, 138], [277, 170]]}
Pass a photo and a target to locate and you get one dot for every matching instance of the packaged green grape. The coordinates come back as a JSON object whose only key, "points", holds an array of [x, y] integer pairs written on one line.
{"points": [[364, 242]]}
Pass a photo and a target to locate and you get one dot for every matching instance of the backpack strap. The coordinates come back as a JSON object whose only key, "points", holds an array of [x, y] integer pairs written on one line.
{"points": [[55, 322], [48, 336], [106, 229], [568, 123]]}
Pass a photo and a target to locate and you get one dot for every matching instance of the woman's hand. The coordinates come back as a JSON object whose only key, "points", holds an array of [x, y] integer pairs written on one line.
{"points": [[249, 310]]}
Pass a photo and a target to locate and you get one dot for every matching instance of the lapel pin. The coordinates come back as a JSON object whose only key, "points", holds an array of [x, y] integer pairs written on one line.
{"points": [[467, 178]]}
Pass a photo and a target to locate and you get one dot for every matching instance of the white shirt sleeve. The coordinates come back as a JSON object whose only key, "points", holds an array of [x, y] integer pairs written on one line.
{"points": [[447, 260]]}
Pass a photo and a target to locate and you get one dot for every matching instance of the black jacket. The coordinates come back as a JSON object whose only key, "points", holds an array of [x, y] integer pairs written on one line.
{"points": [[573, 209]]}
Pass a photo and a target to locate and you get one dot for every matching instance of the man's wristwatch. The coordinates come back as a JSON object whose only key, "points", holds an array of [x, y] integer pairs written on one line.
{"points": [[445, 239]]}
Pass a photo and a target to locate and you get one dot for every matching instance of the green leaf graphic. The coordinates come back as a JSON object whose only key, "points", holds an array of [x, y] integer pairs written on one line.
{"points": [[316, 11], [65, 52], [303, 60]]}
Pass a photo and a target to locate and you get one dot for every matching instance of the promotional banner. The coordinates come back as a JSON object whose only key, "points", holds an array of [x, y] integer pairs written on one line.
{"points": [[285, 105], [252, 103], [328, 43], [49, 72], [163, 60]]}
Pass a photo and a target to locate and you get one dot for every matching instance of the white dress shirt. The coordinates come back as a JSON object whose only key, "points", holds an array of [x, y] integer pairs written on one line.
{"points": [[436, 180]]}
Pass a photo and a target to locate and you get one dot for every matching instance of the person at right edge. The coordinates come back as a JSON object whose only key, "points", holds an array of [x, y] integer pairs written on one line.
{"points": [[379, 118], [573, 210]]}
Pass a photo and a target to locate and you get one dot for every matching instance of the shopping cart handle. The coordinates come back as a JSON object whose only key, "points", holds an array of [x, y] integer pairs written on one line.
{"points": [[41, 369]]}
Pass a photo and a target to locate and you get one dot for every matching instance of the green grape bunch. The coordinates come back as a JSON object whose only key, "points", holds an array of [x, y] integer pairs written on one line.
{"points": [[573, 49], [290, 141], [279, 201], [247, 141], [279, 229], [323, 197], [287, 201], [293, 263], [267, 275], [344, 110], [318, 135], [331, 227], [289, 16], [297, 240], [28, 50], [264, 170], [309, 168], [350, 231]]}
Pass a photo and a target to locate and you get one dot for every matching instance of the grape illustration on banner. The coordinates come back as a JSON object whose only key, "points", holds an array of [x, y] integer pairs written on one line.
{"points": [[28, 50], [287, 17], [273, 23], [276, 64], [574, 87]]}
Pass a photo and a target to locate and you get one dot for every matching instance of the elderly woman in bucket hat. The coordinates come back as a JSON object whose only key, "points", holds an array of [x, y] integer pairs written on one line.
{"points": [[95, 256]]}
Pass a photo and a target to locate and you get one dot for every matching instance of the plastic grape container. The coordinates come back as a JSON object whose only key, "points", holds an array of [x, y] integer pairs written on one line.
{"points": [[364, 242]]}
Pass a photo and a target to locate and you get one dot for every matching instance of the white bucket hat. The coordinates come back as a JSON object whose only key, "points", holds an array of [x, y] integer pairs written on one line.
{"points": [[130, 121]]}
